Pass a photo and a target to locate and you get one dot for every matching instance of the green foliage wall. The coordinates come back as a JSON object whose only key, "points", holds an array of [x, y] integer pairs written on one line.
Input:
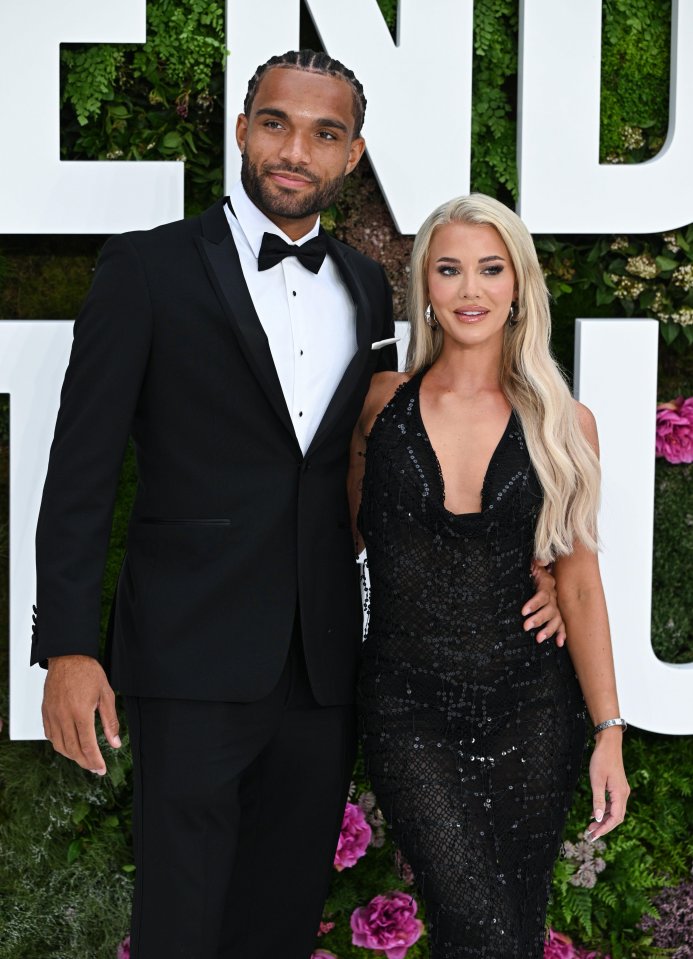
{"points": [[66, 869]]}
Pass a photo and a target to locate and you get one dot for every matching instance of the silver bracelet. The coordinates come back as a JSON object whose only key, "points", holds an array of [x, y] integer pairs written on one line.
{"points": [[610, 722]]}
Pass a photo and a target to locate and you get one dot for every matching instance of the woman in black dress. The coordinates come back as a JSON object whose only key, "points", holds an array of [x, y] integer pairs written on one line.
{"points": [[477, 460]]}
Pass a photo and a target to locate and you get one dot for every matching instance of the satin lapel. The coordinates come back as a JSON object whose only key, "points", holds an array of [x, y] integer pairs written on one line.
{"points": [[220, 257], [341, 395]]}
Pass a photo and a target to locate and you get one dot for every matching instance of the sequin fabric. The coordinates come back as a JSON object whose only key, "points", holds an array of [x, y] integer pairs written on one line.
{"points": [[473, 732]]}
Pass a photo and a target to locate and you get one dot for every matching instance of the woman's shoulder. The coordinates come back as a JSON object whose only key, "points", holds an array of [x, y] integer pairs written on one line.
{"points": [[587, 424], [382, 388]]}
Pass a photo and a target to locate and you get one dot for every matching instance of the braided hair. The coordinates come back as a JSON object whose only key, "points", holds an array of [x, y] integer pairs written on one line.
{"points": [[314, 62]]}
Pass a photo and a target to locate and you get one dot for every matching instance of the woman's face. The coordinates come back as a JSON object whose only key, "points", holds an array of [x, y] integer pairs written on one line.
{"points": [[471, 282]]}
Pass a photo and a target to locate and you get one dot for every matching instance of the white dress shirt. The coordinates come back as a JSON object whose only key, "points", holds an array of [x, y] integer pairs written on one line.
{"points": [[309, 318]]}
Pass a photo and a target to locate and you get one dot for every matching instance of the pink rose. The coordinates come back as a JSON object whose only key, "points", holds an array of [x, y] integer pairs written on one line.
{"points": [[124, 949], [353, 839], [323, 954], [325, 927], [387, 923], [675, 430]]}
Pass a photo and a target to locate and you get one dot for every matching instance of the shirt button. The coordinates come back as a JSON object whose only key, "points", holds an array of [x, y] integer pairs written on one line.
{"points": [[301, 352], [300, 413], [293, 292]]}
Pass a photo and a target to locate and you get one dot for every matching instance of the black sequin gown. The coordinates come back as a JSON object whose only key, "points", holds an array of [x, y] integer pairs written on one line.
{"points": [[473, 732]]}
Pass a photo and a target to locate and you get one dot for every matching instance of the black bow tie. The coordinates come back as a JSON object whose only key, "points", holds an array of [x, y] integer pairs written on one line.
{"points": [[273, 250]]}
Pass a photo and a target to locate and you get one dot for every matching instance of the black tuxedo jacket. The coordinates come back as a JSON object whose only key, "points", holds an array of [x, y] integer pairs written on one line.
{"points": [[232, 524]]}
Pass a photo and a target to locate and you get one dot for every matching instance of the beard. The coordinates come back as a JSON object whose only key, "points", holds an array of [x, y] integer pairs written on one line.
{"points": [[288, 205]]}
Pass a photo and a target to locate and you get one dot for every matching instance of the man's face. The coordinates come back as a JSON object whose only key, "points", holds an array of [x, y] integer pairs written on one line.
{"points": [[297, 143]]}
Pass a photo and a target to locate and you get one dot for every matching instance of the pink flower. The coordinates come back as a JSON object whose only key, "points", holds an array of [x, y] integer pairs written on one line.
{"points": [[323, 954], [124, 949], [353, 839], [325, 927], [675, 430], [387, 923], [560, 946]]}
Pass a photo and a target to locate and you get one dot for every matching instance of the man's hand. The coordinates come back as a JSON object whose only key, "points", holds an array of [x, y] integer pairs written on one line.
{"points": [[76, 686], [544, 607]]}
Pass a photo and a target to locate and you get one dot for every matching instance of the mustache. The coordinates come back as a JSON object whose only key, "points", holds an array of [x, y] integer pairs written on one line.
{"points": [[296, 170]]}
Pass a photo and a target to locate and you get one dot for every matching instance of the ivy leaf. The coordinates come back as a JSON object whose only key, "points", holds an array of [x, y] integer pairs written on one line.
{"points": [[669, 332], [682, 242], [546, 243], [117, 775], [73, 851], [172, 141], [603, 297], [80, 812]]}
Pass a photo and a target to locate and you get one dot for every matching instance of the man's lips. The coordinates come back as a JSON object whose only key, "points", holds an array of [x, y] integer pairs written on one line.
{"points": [[290, 180]]}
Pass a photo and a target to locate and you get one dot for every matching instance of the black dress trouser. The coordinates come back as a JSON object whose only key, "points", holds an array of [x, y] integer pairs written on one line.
{"points": [[236, 814]]}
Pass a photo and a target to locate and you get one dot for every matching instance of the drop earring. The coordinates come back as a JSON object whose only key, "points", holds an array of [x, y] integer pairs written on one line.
{"points": [[430, 317], [512, 316]]}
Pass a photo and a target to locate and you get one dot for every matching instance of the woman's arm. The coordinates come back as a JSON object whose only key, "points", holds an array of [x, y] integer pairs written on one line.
{"points": [[581, 599]]}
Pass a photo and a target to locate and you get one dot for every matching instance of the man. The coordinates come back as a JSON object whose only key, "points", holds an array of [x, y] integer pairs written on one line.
{"points": [[236, 349]]}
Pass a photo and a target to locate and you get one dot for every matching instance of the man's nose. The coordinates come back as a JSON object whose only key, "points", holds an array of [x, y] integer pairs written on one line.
{"points": [[295, 149]]}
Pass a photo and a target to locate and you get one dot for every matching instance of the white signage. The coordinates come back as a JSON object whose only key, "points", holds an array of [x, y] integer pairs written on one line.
{"points": [[426, 74], [616, 376], [39, 193], [563, 186], [33, 358]]}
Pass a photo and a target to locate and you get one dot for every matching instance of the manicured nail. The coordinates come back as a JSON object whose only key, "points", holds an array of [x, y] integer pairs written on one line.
{"points": [[541, 636], [98, 772], [588, 836], [116, 741], [599, 814]]}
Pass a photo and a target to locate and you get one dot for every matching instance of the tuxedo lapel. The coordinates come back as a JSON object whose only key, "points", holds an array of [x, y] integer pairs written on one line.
{"points": [[342, 257], [219, 254]]}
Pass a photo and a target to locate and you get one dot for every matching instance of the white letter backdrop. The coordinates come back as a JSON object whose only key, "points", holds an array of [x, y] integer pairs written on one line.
{"points": [[564, 190]]}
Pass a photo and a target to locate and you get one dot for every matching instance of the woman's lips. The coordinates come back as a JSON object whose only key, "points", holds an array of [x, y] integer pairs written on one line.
{"points": [[471, 316]]}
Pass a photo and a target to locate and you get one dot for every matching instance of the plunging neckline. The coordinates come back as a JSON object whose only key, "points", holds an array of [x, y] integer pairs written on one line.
{"points": [[439, 469]]}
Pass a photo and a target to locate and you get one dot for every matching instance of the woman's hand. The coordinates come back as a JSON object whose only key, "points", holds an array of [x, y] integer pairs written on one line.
{"points": [[607, 775]]}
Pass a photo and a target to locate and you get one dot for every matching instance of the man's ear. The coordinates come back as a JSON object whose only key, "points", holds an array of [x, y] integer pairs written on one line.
{"points": [[358, 145], [241, 131]]}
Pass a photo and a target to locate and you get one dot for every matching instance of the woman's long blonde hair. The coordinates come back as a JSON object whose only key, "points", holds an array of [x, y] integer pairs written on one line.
{"points": [[565, 463]]}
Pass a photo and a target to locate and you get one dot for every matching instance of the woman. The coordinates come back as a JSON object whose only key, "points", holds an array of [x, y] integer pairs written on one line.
{"points": [[477, 460]]}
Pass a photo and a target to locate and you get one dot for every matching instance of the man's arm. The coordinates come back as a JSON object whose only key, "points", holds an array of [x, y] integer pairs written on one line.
{"points": [[109, 355], [387, 357]]}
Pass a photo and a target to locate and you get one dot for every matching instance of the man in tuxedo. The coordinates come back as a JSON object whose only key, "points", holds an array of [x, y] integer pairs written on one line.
{"points": [[235, 348]]}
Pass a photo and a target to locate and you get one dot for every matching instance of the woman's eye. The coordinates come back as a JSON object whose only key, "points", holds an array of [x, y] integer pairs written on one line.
{"points": [[493, 270], [448, 270]]}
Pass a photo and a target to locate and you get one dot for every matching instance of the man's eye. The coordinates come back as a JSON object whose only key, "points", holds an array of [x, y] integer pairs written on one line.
{"points": [[326, 135], [273, 124]]}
